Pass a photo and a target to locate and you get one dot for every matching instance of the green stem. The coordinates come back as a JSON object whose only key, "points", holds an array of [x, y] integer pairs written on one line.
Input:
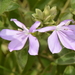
{"points": [[36, 4], [40, 61], [64, 8], [51, 2]]}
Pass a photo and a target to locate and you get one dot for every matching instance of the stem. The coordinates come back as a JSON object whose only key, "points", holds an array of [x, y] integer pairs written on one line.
{"points": [[40, 61], [64, 8], [36, 4], [50, 58], [51, 2]]}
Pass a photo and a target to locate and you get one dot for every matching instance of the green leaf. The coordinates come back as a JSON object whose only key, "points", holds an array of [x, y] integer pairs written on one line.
{"points": [[70, 70], [72, 1], [12, 6], [30, 62], [58, 3], [4, 5], [49, 70], [66, 15], [8, 70], [7, 5], [37, 3], [22, 57], [68, 58]]}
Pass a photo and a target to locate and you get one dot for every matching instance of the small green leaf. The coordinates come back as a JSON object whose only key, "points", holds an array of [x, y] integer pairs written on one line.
{"points": [[70, 70], [68, 58]]}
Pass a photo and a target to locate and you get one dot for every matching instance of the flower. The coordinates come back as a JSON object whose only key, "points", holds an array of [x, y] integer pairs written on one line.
{"points": [[63, 34], [18, 38]]}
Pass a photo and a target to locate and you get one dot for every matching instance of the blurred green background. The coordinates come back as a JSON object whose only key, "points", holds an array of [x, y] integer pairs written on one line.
{"points": [[49, 12]]}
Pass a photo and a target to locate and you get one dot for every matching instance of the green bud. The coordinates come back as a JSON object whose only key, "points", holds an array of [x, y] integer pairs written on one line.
{"points": [[51, 22], [39, 13], [53, 11], [45, 17], [48, 18], [46, 10], [35, 15]]}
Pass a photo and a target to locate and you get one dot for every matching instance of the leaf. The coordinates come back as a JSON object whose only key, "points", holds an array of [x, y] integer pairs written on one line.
{"points": [[70, 70], [66, 59], [8, 70], [49, 70], [72, 2], [30, 62], [12, 6], [58, 3], [7, 5], [66, 15], [37, 3], [22, 57]]}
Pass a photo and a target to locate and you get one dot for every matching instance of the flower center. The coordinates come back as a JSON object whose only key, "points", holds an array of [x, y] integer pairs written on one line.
{"points": [[26, 32]]}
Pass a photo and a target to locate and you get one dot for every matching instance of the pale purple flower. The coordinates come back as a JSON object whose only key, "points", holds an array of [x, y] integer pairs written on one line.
{"points": [[63, 34], [19, 37]]}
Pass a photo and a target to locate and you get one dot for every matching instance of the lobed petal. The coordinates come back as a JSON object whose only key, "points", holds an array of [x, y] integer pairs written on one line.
{"points": [[34, 26], [53, 43], [72, 27], [65, 22], [45, 29], [68, 32], [8, 34], [66, 41], [17, 44], [33, 45], [19, 24]]}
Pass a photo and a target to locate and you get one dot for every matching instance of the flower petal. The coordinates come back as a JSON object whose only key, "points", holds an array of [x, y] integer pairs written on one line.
{"points": [[69, 32], [19, 24], [8, 34], [66, 40], [65, 22], [17, 44], [53, 43], [33, 45], [45, 29], [72, 27], [34, 26]]}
